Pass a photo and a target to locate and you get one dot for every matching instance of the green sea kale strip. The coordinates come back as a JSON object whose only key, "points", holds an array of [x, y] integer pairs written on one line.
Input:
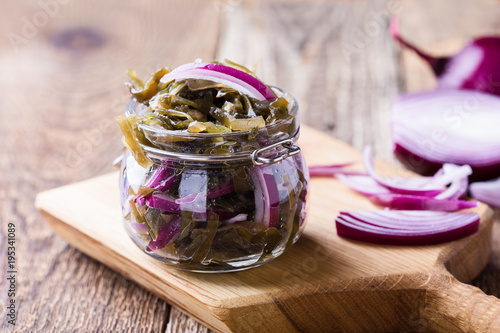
{"points": [[202, 106]]}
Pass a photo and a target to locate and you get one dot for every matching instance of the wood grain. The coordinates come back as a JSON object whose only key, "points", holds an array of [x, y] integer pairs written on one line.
{"points": [[180, 322], [343, 77], [379, 286], [60, 93], [57, 87]]}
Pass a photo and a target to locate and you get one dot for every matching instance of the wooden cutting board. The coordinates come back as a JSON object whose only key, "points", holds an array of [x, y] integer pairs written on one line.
{"points": [[323, 283]]}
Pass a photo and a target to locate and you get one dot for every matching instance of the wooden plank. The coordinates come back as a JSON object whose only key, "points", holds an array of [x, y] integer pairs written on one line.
{"points": [[60, 92], [377, 285], [334, 57], [180, 322], [52, 112]]}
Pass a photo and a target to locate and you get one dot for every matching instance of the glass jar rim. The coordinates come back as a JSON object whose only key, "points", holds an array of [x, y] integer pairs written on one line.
{"points": [[167, 142], [292, 110]]}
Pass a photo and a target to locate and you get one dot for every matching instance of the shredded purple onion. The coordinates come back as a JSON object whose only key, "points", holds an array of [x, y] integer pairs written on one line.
{"points": [[166, 235]]}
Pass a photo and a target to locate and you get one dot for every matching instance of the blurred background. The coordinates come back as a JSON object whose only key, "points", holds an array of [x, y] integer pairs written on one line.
{"points": [[62, 68]]}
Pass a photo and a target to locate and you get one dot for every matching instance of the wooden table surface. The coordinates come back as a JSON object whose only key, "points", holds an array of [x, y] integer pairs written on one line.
{"points": [[62, 68]]}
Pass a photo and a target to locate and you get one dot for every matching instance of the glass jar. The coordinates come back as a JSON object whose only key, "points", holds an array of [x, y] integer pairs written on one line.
{"points": [[216, 202]]}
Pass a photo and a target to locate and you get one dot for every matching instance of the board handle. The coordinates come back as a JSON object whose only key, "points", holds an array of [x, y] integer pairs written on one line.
{"points": [[461, 308]]}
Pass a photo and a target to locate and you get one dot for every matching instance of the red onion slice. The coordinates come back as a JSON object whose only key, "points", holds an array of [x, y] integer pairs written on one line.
{"points": [[458, 176], [216, 192], [229, 76], [363, 184], [163, 202], [401, 227], [166, 235], [337, 165], [167, 182], [331, 171], [415, 202], [158, 182], [401, 218], [271, 214], [487, 192], [267, 199], [414, 186], [407, 226]]}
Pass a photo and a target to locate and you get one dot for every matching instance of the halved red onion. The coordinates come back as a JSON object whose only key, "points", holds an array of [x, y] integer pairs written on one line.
{"points": [[229, 76], [448, 126], [418, 202], [394, 227], [475, 67], [487, 192], [413, 186]]}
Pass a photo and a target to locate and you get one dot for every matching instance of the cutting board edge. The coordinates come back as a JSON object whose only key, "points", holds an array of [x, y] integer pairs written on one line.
{"points": [[335, 286], [228, 316], [56, 223], [448, 253], [451, 258]]}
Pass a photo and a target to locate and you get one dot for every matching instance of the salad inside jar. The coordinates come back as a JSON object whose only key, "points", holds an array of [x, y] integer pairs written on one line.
{"points": [[194, 191]]}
